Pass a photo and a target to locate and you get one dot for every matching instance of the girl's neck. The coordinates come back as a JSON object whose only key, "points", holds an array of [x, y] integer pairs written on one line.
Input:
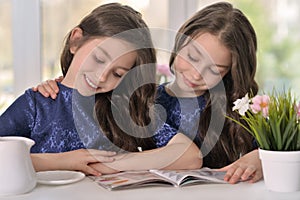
{"points": [[68, 81]]}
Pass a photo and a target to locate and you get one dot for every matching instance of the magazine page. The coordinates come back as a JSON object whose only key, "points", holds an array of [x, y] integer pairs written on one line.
{"points": [[130, 179], [184, 177]]}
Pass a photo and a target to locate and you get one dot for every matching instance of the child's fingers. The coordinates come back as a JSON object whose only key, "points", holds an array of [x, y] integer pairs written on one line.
{"points": [[44, 89], [41, 90], [90, 171], [229, 173], [248, 173], [236, 176], [35, 89], [59, 79], [51, 87], [256, 177]]}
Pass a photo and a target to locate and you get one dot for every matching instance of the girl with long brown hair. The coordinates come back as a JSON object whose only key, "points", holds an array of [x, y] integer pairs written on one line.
{"points": [[214, 63], [107, 59]]}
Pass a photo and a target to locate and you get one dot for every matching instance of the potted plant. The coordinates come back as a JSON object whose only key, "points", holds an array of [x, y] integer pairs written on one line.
{"points": [[274, 121]]}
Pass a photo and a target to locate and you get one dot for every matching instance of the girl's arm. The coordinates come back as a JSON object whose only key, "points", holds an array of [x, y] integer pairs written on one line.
{"points": [[19, 118], [77, 160], [179, 153]]}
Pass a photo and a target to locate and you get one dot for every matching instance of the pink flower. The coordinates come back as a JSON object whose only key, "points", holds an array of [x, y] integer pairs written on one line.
{"points": [[260, 104], [163, 69], [298, 110]]}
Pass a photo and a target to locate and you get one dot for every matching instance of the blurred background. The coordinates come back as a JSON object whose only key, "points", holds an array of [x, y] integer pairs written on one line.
{"points": [[32, 34]]}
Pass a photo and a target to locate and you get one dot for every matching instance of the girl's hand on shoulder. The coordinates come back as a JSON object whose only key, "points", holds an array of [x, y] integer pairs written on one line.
{"points": [[48, 88], [247, 168], [82, 159]]}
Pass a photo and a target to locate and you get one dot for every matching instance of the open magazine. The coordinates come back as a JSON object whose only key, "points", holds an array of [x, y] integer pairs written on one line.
{"points": [[135, 179]]}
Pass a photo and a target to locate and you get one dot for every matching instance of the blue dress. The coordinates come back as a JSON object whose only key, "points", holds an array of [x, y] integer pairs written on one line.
{"points": [[183, 114], [59, 125]]}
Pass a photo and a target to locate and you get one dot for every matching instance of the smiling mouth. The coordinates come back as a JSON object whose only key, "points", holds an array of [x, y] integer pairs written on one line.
{"points": [[90, 83]]}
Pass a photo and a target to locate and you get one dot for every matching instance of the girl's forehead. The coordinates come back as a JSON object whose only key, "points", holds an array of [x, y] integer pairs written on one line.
{"points": [[212, 45], [113, 46]]}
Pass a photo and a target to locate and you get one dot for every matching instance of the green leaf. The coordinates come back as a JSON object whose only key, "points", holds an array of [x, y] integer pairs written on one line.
{"points": [[289, 147]]}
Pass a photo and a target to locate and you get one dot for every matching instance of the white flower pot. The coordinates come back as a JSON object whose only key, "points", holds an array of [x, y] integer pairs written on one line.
{"points": [[281, 170]]}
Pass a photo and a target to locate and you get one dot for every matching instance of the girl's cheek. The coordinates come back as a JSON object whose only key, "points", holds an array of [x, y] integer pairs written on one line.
{"points": [[181, 64]]}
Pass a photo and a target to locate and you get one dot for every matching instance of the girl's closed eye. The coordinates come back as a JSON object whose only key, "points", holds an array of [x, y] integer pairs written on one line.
{"points": [[214, 69], [192, 58], [99, 59], [118, 75], [119, 72]]}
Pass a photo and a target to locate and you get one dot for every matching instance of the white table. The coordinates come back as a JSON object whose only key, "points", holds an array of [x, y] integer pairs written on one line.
{"points": [[89, 190]]}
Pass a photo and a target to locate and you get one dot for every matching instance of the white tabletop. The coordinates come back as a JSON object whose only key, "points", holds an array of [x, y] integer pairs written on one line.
{"points": [[87, 189]]}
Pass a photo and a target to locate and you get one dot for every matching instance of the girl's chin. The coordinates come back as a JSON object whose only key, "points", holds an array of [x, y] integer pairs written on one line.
{"points": [[86, 92]]}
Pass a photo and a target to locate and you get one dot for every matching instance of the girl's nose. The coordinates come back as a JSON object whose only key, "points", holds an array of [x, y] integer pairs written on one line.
{"points": [[197, 76], [102, 75], [196, 73]]}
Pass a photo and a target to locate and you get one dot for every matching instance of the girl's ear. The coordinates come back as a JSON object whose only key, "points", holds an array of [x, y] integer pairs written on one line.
{"points": [[75, 37]]}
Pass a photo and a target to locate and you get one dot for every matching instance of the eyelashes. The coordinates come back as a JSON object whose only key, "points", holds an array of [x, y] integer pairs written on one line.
{"points": [[98, 60], [213, 69], [115, 72], [192, 58], [117, 75]]}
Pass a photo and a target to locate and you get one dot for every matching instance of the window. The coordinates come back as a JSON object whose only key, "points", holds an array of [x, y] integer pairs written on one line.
{"points": [[6, 70]]}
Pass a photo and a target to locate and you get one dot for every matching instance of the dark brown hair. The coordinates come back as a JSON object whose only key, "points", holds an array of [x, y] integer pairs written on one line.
{"points": [[123, 22], [234, 31]]}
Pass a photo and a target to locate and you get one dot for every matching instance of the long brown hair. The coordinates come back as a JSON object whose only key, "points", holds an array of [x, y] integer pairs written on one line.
{"points": [[234, 31], [123, 22]]}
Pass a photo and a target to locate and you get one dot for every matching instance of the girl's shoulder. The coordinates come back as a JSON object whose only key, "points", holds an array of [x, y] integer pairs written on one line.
{"points": [[161, 94], [161, 87], [161, 90]]}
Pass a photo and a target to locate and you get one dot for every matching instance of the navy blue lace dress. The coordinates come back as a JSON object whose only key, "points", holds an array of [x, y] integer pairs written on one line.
{"points": [[183, 114]]}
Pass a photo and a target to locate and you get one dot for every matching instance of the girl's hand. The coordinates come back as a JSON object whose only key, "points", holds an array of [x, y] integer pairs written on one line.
{"points": [[247, 168], [77, 160], [82, 158], [48, 87]]}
